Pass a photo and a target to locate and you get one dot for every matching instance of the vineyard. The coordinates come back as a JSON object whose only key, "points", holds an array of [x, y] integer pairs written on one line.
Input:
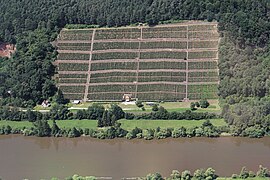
{"points": [[164, 63]]}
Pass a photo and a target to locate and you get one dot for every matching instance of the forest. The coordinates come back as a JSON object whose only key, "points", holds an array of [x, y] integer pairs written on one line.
{"points": [[26, 78]]}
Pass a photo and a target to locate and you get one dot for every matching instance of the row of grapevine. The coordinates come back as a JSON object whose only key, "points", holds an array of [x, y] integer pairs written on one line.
{"points": [[73, 56], [163, 55], [203, 79], [68, 35], [157, 96], [113, 79], [202, 65], [202, 44], [115, 45], [112, 88], [161, 78], [161, 87], [160, 73], [99, 36], [166, 29], [73, 89], [202, 27], [72, 75], [114, 65], [202, 88], [73, 67], [74, 96], [205, 95], [203, 35], [108, 74], [72, 80], [162, 65], [202, 54], [114, 55], [160, 34], [74, 48], [164, 44], [203, 74], [105, 96]]}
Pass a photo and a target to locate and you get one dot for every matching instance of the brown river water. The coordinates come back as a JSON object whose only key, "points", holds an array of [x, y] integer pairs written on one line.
{"points": [[35, 158]]}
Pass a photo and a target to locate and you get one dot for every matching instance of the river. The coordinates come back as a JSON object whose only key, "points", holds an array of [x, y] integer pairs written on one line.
{"points": [[35, 158]]}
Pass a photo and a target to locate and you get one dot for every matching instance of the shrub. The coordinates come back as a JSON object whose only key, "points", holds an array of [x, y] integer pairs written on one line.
{"points": [[155, 107], [139, 104], [204, 103]]}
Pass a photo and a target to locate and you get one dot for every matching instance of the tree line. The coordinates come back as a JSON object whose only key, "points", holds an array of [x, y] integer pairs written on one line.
{"points": [[106, 117], [210, 174], [246, 21], [199, 174]]}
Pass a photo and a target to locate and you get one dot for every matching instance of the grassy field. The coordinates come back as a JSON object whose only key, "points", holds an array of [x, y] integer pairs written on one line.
{"points": [[153, 124], [170, 106], [126, 124]]}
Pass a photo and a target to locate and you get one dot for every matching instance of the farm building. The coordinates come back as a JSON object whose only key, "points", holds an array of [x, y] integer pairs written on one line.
{"points": [[167, 63]]}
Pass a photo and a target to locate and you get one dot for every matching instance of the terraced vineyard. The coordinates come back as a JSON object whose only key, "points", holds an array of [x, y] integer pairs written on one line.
{"points": [[169, 62]]}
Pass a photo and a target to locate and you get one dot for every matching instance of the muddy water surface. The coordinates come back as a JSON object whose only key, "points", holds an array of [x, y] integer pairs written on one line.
{"points": [[35, 158]]}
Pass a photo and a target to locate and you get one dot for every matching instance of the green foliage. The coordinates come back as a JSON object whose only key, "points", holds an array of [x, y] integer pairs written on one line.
{"points": [[43, 128], [29, 71], [155, 107], [139, 104], [192, 106], [204, 103]]}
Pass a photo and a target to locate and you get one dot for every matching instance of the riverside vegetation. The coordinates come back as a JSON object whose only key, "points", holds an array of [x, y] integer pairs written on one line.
{"points": [[109, 127], [199, 174]]}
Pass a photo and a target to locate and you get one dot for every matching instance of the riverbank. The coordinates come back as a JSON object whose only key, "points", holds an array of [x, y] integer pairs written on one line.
{"points": [[130, 129], [125, 124]]}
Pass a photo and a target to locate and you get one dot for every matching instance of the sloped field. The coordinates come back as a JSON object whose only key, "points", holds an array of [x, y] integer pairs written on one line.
{"points": [[169, 62]]}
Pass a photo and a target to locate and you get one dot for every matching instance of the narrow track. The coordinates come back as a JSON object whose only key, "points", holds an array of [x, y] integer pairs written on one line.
{"points": [[89, 67]]}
